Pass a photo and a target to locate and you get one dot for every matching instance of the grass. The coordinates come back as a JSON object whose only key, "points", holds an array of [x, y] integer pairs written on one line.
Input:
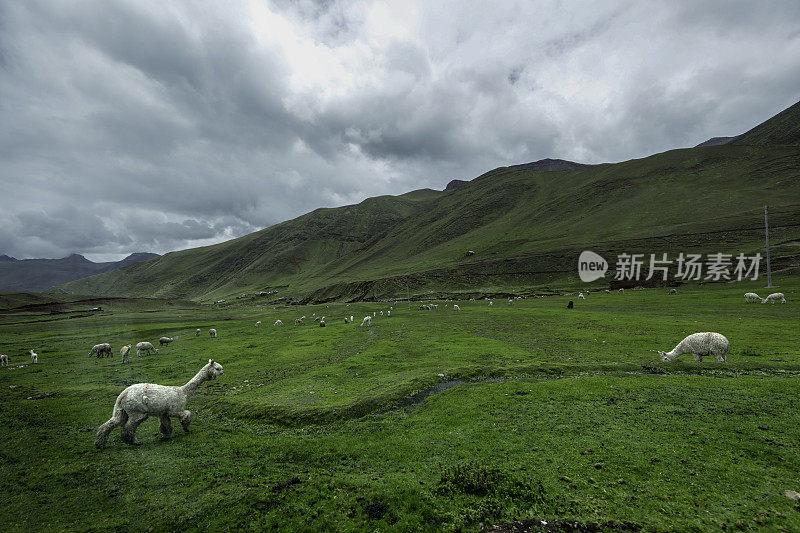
{"points": [[561, 414]]}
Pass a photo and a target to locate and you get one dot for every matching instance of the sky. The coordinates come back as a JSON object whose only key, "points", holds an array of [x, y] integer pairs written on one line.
{"points": [[152, 126]]}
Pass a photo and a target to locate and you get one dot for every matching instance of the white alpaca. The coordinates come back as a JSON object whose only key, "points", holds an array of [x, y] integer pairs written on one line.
{"points": [[373, 313], [367, 320], [298, 321], [258, 324], [700, 344], [751, 297], [213, 333], [101, 350], [197, 332], [351, 319], [510, 301], [456, 307], [581, 296], [124, 351], [774, 297], [491, 303], [622, 290], [279, 322], [139, 401], [381, 313], [388, 313], [164, 341], [34, 357], [144, 347], [608, 291], [673, 291], [3, 359]]}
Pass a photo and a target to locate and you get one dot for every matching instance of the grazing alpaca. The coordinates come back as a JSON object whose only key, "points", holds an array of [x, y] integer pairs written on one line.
{"points": [[673, 291], [298, 321], [367, 320], [581, 296], [34, 357], [258, 324], [570, 305], [197, 332], [213, 333], [775, 296], [101, 350], [456, 307], [3, 359], [139, 401], [124, 353], [278, 322], [144, 347], [164, 341], [751, 297], [700, 344]]}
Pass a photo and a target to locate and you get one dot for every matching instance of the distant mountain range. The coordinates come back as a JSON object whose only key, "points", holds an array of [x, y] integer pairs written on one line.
{"points": [[37, 275], [525, 228]]}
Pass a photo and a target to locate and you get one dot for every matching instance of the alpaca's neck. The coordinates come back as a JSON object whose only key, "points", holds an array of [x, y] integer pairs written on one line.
{"points": [[195, 382]]}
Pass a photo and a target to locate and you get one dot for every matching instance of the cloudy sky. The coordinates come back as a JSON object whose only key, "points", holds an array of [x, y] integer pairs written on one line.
{"points": [[144, 125]]}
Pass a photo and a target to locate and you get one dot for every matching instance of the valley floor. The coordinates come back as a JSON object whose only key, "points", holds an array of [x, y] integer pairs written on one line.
{"points": [[427, 420]]}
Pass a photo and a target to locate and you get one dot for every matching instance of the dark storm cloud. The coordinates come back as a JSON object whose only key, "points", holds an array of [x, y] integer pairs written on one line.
{"points": [[147, 126]]}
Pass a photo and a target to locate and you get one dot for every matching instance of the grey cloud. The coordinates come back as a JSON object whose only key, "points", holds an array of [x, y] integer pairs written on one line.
{"points": [[135, 125]]}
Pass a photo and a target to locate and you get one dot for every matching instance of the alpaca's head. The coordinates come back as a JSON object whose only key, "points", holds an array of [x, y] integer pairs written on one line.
{"points": [[213, 369], [665, 356]]}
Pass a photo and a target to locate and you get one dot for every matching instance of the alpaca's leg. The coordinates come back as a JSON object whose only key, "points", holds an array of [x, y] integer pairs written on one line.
{"points": [[129, 429], [165, 426], [185, 417], [698, 358], [118, 419]]}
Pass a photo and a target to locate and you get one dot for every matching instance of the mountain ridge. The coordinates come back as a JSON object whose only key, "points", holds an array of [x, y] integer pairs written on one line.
{"points": [[38, 275], [525, 229]]}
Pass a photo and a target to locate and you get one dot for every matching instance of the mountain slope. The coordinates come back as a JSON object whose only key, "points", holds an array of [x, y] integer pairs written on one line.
{"points": [[782, 129], [525, 226], [37, 275]]}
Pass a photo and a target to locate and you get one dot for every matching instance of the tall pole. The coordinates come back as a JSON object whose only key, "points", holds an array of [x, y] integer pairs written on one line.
{"points": [[766, 233]]}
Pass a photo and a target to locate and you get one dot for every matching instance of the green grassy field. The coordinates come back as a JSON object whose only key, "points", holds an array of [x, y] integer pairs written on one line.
{"points": [[427, 420]]}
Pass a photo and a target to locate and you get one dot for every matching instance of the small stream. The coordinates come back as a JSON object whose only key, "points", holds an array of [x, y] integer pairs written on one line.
{"points": [[416, 399]]}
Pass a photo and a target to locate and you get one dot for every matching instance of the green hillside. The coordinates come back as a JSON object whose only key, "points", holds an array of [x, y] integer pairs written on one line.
{"points": [[526, 228], [783, 128]]}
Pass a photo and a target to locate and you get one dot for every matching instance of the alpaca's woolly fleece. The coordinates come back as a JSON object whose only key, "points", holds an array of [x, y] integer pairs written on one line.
{"points": [[581, 296], [213, 333], [456, 307], [34, 357], [751, 297], [622, 290], [700, 344], [124, 352], [3, 359], [367, 321], [139, 401], [673, 291], [298, 321], [145, 347], [164, 341], [775, 296], [101, 350], [197, 332], [258, 324], [351, 318], [278, 322]]}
